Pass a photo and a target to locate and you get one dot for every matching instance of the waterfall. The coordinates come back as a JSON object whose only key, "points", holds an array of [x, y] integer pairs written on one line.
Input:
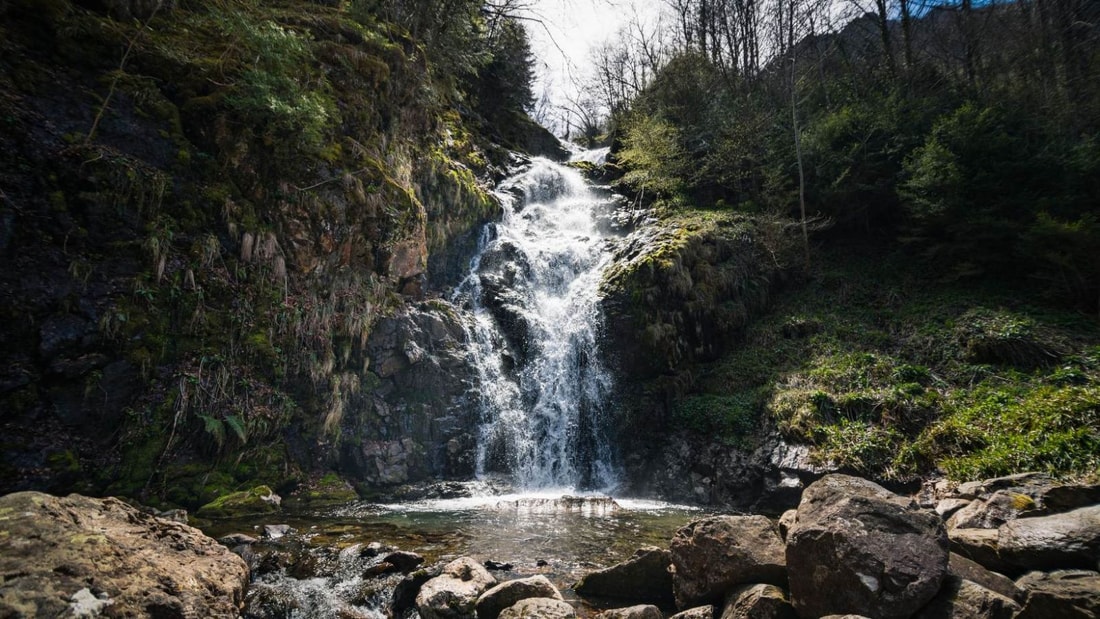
{"points": [[532, 290]]}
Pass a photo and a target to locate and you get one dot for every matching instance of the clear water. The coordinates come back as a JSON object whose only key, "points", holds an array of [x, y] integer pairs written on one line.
{"points": [[543, 387]]}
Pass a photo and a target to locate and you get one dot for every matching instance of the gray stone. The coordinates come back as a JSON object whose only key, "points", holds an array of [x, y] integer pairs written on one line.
{"points": [[758, 602], [965, 569], [506, 594], [980, 546], [539, 608], [51, 548], [643, 577], [786, 521], [1073, 594], [949, 506], [699, 612], [963, 599], [991, 512], [1067, 540], [454, 593], [858, 548], [641, 611], [710, 557], [403, 561]]}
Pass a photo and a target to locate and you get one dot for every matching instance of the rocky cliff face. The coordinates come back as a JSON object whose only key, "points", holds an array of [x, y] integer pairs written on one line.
{"points": [[216, 224]]}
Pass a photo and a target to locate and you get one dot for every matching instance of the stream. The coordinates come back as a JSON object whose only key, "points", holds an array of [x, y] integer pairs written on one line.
{"points": [[534, 323]]}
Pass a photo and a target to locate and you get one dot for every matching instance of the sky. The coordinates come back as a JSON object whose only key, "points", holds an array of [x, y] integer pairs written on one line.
{"points": [[567, 31]]}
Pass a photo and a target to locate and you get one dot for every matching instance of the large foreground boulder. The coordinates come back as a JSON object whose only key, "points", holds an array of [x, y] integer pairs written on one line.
{"points": [[454, 593], [857, 548], [710, 557], [758, 602], [79, 556], [643, 577]]}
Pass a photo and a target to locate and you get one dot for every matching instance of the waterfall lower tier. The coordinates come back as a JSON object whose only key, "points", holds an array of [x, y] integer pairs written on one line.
{"points": [[533, 292]]}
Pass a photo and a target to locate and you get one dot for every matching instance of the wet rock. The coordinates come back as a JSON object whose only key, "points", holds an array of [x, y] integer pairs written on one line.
{"points": [[991, 512], [858, 548], [641, 611], [699, 612], [404, 595], [454, 593], [497, 566], [506, 594], [1068, 593], [588, 505], [403, 561], [539, 608], [644, 577], [237, 539], [758, 602], [1066, 540], [131, 563], [711, 556], [276, 531], [963, 599], [258, 501]]}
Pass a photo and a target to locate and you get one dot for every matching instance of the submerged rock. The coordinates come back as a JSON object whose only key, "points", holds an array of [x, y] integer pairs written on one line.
{"points": [[859, 548], [61, 555], [643, 577], [712, 556]]}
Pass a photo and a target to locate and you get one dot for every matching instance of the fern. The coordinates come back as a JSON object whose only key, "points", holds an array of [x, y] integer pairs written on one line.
{"points": [[215, 428], [237, 425]]}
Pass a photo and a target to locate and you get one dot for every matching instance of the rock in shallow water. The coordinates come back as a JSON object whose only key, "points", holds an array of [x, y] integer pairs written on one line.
{"points": [[52, 548], [539, 608], [454, 593]]}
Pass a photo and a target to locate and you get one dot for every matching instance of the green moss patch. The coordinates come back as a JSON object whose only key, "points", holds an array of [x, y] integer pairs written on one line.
{"points": [[258, 501]]}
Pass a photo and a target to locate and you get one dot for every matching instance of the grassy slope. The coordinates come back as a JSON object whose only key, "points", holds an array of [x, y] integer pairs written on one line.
{"points": [[891, 373]]}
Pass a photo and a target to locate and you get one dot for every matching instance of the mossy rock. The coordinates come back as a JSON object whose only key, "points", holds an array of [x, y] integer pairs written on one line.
{"points": [[326, 491], [255, 502]]}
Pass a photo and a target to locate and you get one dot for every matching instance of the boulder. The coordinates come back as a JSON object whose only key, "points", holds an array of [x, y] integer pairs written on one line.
{"points": [[758, 602], [539, 608], [786, 521], [641, 611], [403, 561], [72, 555], [859, 548], [454, 593], [1066, 593], [712, 556], [506, 594], [699, 612], [978, 545], [1060, 541], [258, 501], [947, 507], [965, 569], [992, 512], [963, 599], [643, 577], [404, 595]]}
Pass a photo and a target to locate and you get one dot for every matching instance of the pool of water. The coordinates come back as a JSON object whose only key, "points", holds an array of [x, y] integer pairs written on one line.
{"points": [[535, 534]]}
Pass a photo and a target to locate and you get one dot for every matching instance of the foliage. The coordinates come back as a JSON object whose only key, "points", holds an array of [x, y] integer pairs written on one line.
{"points": [[653, 150]]}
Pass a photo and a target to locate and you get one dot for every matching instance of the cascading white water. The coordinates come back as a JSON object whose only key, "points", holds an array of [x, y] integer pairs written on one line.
{"points": [[533, 292]]}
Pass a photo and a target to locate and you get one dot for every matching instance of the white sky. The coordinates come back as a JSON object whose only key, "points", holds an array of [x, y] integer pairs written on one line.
{"points": [[570, 29]]}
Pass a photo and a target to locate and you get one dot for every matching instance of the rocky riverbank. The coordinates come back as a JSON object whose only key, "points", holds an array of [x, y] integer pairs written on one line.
{"points": [[1023, 546]]}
